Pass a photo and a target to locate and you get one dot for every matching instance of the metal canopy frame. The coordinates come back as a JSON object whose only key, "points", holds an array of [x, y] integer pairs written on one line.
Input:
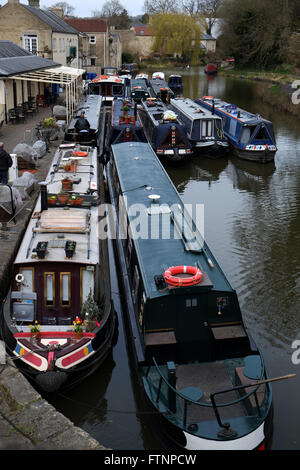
{"points": [[63, 76]]}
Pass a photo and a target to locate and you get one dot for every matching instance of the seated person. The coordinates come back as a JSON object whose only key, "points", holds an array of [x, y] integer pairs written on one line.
{"points": [[82, 125]]}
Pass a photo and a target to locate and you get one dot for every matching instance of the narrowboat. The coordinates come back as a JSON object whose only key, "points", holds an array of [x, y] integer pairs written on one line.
{"points": [[204, 128], [200, 372], [161, 90], [109, 87], [139, 89], [250, 136], [126, 125], [211, 69], [160, 75], [175, 83], [58, 319], [91, 107], [164, 132]]}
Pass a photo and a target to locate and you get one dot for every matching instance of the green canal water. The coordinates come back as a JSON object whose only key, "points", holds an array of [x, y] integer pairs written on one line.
{"points": [[252, 225]]}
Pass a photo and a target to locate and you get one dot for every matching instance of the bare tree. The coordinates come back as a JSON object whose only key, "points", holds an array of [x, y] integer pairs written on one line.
{"points": [[109, 9], [200, 9], [153, 7]]}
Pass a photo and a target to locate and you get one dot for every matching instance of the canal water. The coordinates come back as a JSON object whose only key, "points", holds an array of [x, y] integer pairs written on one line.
{"points": [[252, 225]]}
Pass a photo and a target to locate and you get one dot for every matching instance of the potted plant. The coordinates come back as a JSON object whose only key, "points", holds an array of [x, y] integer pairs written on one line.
{"points": [[35, 330], [52, 200], [41, 249], [70, 246], [63, 198], [78, 328], [75, 200], [125, 108], [67, 184], [91, 312]]}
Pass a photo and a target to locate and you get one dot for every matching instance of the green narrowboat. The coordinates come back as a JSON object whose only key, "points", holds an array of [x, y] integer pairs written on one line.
{"points": [[198, 367]]}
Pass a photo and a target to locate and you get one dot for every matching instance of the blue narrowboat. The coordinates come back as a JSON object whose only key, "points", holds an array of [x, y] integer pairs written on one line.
{"points": [[161, 90], [175, 83], [199, 371], [251, 136], [204, 128], [164, 132], [139, 89], [126, 125]]}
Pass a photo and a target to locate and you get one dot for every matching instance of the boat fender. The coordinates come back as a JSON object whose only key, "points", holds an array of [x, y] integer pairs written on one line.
{"points": [[170, 276], [19, 278]]}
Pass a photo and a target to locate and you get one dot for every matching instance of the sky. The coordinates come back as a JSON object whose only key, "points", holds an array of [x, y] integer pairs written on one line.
{"points": [[84, 8]]}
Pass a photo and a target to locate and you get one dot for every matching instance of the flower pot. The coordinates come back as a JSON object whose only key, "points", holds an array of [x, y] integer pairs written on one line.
{"points": [[63, 198], [67, 185], [51, 201], [36, 335], [41, 249], [67, 167], [70, 248], [76, 202]]}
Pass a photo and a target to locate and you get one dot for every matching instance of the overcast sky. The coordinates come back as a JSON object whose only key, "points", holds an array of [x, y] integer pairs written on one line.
{"points": [[84, 8]]}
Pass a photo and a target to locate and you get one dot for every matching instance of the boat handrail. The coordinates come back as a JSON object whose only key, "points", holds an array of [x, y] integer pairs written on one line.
{"points": [[213, 405]]}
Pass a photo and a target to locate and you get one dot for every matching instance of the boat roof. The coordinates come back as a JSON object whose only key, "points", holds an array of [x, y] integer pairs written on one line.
{"points": [[155, 109], [91, 106], [234, 111], [117, 112], [138, 82], [142, 175], [192, 110], [57, 224], [109, 79], [158, 83]]}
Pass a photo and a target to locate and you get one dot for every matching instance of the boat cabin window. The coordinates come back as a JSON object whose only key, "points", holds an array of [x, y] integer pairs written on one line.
{"points": [[232, 127], [118, 90], [135, 284], [49, 288], [65, 289], [206, 128], [245, 136], [87, 283], [262, 134], [27, 285], [191, 302]]}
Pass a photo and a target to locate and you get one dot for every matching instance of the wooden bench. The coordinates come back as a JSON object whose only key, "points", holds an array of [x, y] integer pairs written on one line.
{"points": [[228, 332], [160, 337]]}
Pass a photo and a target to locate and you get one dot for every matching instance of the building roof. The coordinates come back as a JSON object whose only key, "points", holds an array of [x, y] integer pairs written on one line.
{"points": [[142, 30], [207, 37], [88, 25], [10, 49], [14, 59], [56, 23]]}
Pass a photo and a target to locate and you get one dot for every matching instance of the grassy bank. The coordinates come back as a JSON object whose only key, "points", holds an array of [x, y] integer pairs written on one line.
{"points": [[276, 87]]}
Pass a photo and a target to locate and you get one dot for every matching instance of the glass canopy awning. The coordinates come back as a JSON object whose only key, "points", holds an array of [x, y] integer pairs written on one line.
{"points": [[67, 77]]}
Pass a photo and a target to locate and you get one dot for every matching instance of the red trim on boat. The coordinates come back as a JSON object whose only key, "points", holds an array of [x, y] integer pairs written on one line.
{"points": [[54, 334]]}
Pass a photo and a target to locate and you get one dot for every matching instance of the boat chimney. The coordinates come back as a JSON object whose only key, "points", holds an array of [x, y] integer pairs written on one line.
{"points": [[44, 197], [213, 107]]}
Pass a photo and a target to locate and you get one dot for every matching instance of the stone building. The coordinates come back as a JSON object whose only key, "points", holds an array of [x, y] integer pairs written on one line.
{"points": [[104, 46], [138, 40], [41, 32]]}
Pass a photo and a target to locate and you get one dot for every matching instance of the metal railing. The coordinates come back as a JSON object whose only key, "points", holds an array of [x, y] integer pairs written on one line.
{"points": [[213, 405]]}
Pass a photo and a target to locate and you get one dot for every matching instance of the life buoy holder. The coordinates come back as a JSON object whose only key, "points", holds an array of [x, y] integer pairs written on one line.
{"points": [[19, 277], [170, 276], [79, 154]]}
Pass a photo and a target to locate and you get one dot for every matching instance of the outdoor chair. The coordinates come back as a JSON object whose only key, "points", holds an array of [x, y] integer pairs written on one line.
{"points": [[12, 116]]}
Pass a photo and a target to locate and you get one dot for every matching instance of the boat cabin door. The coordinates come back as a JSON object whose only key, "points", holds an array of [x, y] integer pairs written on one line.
{"points": [[55, 307]]}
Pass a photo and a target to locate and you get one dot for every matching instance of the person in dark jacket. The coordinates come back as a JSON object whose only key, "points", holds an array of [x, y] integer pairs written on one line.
{"points": [[82, 126], [5, 164]]}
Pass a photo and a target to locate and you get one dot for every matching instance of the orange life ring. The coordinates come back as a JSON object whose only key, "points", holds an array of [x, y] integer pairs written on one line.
{"points": [[208, 97], [170, 276], [79, 154]]}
